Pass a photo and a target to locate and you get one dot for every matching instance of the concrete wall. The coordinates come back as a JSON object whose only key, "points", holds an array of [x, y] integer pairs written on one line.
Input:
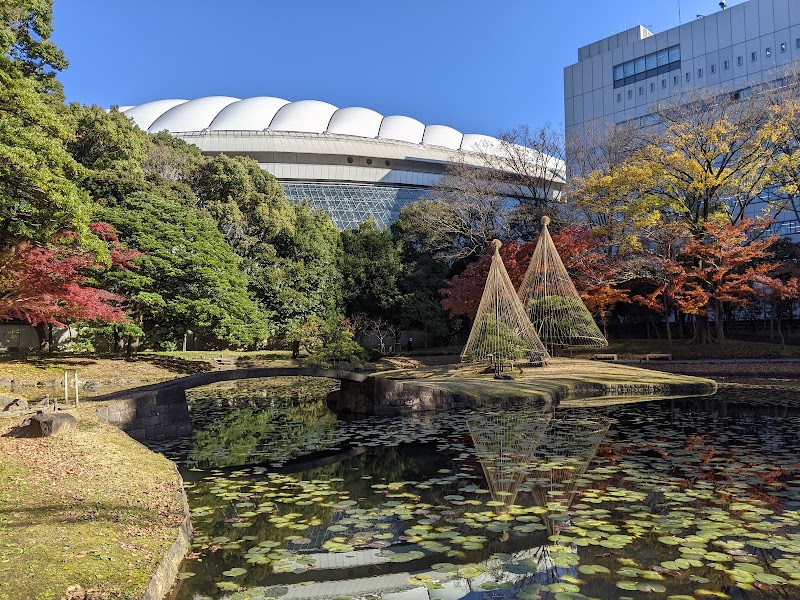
{"points": [[21, 337], [763, 34]]}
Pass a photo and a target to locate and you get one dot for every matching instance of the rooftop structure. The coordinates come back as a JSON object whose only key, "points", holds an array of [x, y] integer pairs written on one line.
{"points": [[351, 162]]}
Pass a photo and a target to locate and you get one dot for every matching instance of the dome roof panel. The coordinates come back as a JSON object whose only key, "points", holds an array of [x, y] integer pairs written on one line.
{"points": [[145, 114], [404, 129], [355, 120], [441, 135], [305, 116], [250, 114], [474, 142], [194, 115]]}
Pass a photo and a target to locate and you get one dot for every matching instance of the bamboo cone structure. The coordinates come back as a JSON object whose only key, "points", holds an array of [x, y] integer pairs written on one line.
{"points": [[502, 332], [554, 306]]}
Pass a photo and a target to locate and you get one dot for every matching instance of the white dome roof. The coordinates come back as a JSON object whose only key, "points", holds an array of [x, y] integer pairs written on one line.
{"points": [[250, 113], [194, 115], [404, 129], [355, 120], [265, 113], [145, 114], [440, 135]]}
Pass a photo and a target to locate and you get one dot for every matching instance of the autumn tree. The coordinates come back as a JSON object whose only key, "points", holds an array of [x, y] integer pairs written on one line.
{"points": [[51, 284], [596, 273], [722, 269], [710, 157], [464, 291]]}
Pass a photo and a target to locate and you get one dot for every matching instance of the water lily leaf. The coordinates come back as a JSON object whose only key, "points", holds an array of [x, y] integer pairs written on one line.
{"points": [[648, 586], [769, 578], [593, 569]]}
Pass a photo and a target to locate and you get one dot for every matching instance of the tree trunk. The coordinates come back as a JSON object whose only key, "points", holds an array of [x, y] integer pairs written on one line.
{"points": [[41, 333], [49, 337], [780, 328], [772, 324], [718, 324]]}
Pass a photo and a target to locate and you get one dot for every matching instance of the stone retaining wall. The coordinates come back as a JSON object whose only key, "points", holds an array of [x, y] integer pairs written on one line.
{"points": [[163, 579], [379, 396], [152, 415]]}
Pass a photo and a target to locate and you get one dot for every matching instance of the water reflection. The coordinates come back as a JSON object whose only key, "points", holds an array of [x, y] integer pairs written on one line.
{"points": [[682, 496]]}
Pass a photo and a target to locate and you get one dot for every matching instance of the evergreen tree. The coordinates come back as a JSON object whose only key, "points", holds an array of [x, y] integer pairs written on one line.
{"points": [[189, 278]]}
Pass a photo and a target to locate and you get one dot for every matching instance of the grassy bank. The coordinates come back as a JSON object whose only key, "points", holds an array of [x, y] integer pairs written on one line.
{"points": [[683, 350], [90, 508]]}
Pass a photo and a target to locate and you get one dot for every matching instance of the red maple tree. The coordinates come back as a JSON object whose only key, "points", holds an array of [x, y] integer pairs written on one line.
{"points": [[721, 268], [581, 252], [50, 285]]}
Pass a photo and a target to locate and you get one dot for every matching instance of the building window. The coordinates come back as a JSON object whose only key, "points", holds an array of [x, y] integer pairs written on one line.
{"points": [[768, 52], [797, 43], [726, 65], [699, 72], [740, 61], [713, 69], [619, 97], [630, 94], [753, 56], [644, 67], [783, 46], [688, 76], [652, 87], [674, 80], [663, 83]]}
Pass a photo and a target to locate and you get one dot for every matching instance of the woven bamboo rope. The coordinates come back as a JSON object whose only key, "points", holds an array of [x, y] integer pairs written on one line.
{"points": [[502, 332], [554, 306]]}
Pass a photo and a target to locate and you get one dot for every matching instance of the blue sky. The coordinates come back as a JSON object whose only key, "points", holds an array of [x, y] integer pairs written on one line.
{"points": [[481, 67]]}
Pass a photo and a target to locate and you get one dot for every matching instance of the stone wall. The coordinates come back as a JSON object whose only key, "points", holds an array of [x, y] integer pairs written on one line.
{"points": [[151, 415], [163, 578], [379, 396]]}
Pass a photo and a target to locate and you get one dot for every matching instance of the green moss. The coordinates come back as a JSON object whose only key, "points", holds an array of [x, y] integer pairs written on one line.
{"points": [[91, 507]]}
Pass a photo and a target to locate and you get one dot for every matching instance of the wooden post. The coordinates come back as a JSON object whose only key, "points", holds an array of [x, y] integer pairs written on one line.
{"points": [[77, 401], [66, 389]]}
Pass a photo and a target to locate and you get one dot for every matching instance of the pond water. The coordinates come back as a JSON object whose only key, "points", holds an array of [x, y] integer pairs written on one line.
{"points": [[692, 498]]}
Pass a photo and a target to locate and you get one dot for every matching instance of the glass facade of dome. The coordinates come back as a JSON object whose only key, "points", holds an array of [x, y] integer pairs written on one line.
{"points": [[351, 205]]}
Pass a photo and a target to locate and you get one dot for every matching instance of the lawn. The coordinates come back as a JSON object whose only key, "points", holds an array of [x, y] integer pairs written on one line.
{"points": [[682, 350], [77, 513]]}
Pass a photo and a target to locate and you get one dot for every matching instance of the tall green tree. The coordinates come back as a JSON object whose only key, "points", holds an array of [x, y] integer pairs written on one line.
{"points": [[296, 278], [112, 150], [188, 278], [371, 269], [38, 193]]}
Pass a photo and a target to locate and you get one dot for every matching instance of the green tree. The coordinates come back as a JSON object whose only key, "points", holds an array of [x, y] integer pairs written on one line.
{"points": [[297, 277], [189, 278], [371, 271], [112, 149], [38, 196], [245, 200]]}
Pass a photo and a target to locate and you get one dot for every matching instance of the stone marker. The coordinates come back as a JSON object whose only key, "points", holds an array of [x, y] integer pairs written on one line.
{"points": [[48, 424]]}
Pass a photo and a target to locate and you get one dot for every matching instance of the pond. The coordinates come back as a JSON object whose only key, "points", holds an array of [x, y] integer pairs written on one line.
{"points": [[690, 498]]}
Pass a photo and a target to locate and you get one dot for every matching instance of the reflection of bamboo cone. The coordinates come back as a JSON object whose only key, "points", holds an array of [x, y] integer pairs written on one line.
{"points": [[562, 458], [505, 443]]}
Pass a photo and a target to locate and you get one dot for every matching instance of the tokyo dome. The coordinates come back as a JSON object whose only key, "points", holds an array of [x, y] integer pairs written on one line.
{"points": [[353, 163]]}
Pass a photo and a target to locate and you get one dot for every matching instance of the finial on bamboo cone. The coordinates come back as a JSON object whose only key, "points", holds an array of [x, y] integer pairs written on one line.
{"points": [[496, 244], [545, 221]]}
